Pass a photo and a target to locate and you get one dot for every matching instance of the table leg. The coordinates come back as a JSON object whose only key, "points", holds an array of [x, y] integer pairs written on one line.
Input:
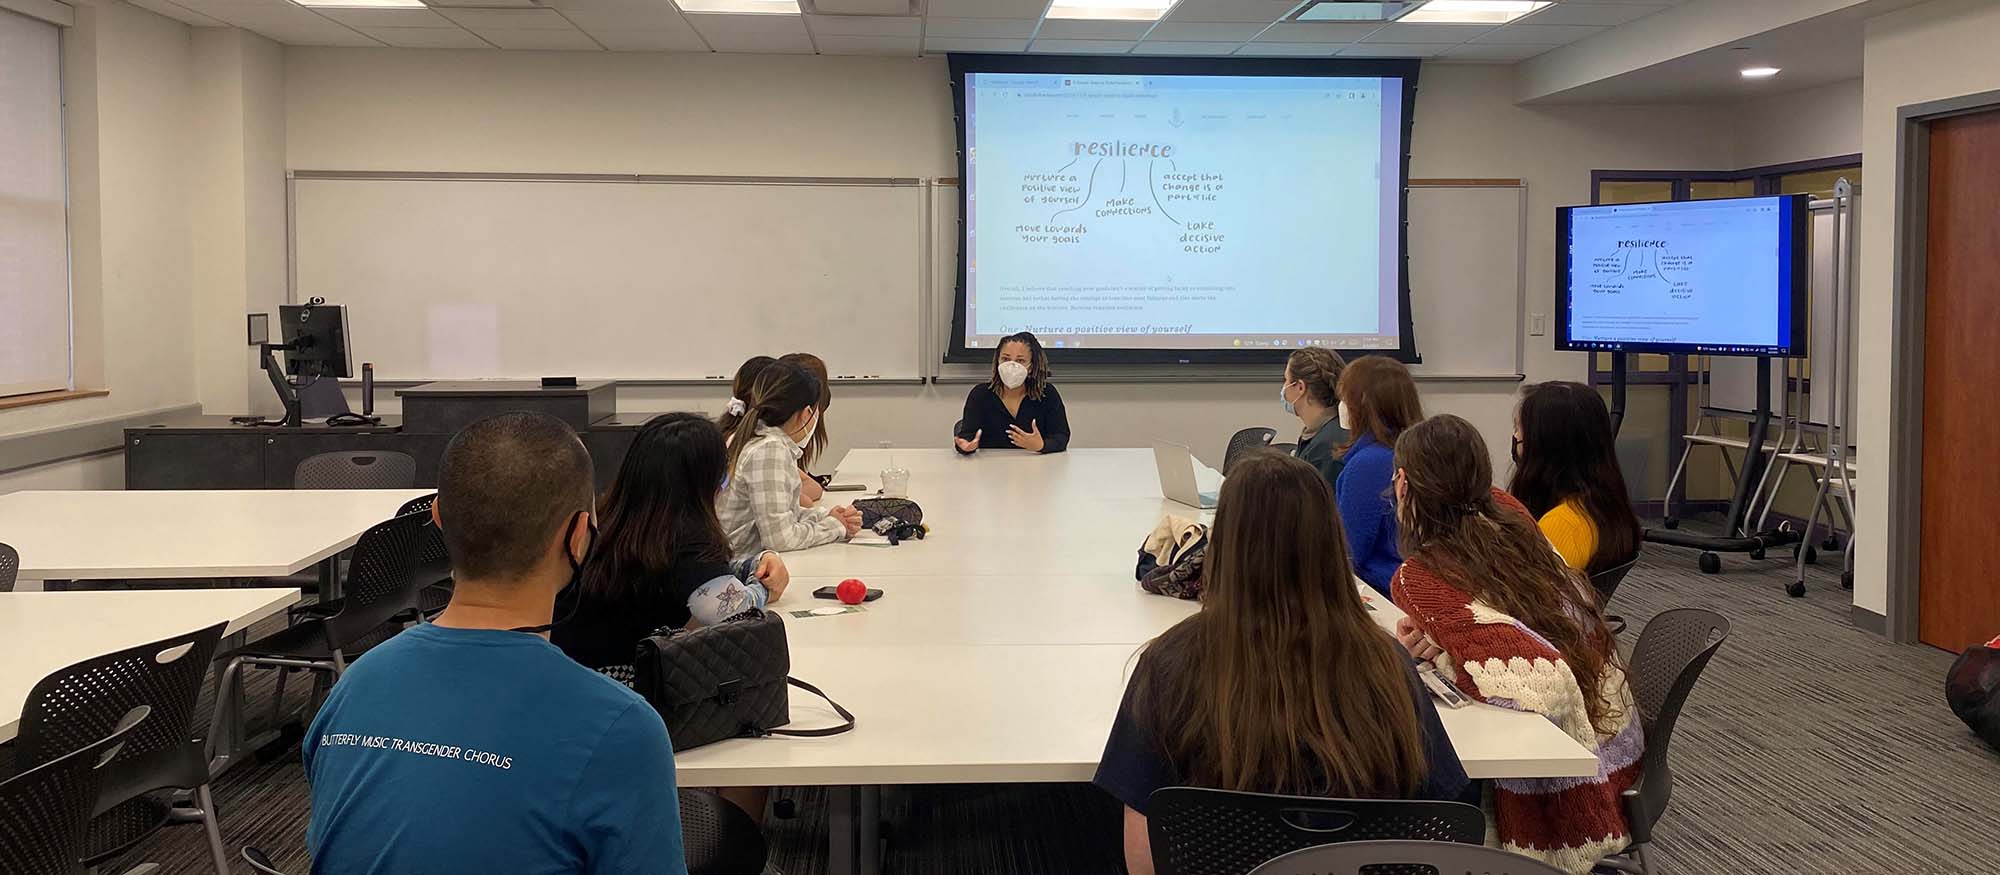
{"points": [[842, 829], [329, 578], [868, 832]]}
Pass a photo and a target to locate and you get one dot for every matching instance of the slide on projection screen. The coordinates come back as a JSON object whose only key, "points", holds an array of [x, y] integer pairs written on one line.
{"points": [[1168, 210]]}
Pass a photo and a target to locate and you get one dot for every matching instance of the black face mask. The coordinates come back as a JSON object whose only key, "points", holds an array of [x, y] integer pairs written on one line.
{"points": [[1515, 450], [575, 573]]}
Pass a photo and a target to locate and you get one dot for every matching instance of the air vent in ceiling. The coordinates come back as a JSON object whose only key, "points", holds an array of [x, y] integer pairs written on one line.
{"points": [[860, 7], [1354, 10]]}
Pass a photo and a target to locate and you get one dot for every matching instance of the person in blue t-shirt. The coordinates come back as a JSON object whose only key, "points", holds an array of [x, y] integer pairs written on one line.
{"points": [[472, 744], [1378, 399]]}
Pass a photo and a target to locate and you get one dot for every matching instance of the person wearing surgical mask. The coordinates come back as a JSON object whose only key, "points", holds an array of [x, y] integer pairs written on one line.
{"points": [[1311, 392], [1017, 408], [759, 508]]}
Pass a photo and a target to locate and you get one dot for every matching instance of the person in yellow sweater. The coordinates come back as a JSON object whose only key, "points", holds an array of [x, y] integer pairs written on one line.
{"points": [[1566, 472]]}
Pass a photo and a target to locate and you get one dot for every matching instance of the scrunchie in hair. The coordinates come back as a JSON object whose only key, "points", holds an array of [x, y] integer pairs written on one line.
{"points": [[736, 407]]}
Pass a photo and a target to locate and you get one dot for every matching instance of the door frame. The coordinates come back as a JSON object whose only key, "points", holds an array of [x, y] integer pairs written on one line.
{"points": [[1903, 540]]}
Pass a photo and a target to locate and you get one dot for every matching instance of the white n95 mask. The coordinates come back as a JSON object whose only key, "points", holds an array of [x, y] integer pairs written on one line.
{"points": [[1345, 423], [1013, 374]]}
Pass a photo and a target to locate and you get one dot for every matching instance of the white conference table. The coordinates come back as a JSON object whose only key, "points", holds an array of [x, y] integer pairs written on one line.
{"points": [[41, 632], [182, 534], [1001, 646]]}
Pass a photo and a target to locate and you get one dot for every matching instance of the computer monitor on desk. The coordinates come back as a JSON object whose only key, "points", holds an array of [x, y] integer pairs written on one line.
{"points": [[313, 338]]}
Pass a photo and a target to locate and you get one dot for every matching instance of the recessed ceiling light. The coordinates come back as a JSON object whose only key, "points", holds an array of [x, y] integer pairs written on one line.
{"points": [[1353, 10], [362, 4], [1111, 10], [1759, 72], [750, 7], [1473, 11]]}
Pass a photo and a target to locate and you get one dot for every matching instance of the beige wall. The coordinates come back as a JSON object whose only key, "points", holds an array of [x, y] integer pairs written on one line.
{"points": [[1939, 50], [1804, 125]]}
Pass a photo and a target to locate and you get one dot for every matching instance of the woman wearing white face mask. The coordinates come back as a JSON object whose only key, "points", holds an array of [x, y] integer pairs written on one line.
{"points": [[759, 506], [1017, 407], [1312, 393]]}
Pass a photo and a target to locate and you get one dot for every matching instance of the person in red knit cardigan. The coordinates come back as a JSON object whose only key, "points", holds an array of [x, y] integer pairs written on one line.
{"points": [[1494, 607]]}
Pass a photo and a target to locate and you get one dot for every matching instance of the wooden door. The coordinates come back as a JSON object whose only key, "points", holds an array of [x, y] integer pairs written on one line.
{"points": [[1959, 571]]}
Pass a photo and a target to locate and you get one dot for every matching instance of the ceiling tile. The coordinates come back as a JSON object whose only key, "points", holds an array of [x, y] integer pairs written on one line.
{"points": [[427, 37], [990, 28], [1168, 47], [863, 7], [756, 34], [1426, 34], [625, 39], [179, 13], [1317, 32], [1391, 50], [1543, 34], [1259, 11], [1495, 51], [268, 15], [365, 18], [1206, 31], [1291, 50], [973, 44], [862, 25], [509, 19], [841, 44], [330, 35], [656, 19], [1066, 28], [1028, 9], [538, 39], [1079, 46], [1601, 14]]}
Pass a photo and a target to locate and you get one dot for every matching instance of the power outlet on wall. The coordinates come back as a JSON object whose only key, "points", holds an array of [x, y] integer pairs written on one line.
{"points": [[1538, 324]]}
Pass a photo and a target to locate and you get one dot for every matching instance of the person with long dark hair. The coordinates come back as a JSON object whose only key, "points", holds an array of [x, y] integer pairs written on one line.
{"points": [[661, 558], [1504, 618], [1378, 399], [1281, 684], [760, 508], [1566, 472], [1016, 407], [810, 489]]}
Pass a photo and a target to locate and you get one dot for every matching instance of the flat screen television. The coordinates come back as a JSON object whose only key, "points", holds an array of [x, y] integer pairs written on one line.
{"points": [[1714, 277]]}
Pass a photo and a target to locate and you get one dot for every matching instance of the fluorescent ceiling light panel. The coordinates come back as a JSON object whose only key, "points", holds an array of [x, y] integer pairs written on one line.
{"points": [[1759, 72], [1112, 10], [362, 4], [1473, 11], [741, 7], [1350, 10]]}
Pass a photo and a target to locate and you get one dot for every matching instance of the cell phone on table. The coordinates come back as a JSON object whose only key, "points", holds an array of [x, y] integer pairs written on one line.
{"points": [[846, 487], [828, 592]]}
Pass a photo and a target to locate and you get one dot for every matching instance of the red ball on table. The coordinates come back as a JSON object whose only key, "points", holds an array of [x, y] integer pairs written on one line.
{"points": [[851, 591]]}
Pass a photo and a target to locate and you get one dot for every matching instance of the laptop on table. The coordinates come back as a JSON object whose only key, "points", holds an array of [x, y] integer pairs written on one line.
{"points": [[1177, 483]]}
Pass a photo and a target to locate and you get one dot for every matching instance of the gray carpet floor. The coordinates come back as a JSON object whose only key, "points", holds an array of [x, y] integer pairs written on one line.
{"points": [[1808, 747]]}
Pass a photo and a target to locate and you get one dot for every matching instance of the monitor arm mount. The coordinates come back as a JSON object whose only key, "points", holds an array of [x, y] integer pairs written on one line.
{"points": [[288, 393]]}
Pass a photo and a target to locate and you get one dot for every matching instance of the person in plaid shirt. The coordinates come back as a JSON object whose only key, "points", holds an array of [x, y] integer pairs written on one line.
{"points": [[767, 433]]}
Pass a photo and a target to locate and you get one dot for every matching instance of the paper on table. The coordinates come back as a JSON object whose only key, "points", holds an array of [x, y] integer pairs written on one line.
{"points": [[870, 539]]}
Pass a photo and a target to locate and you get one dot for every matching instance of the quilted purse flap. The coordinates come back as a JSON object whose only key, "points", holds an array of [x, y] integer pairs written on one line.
{"points": [[726, 661]]}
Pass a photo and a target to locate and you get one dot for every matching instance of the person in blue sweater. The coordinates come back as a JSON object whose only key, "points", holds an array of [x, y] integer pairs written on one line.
{"points": [[1378, 399]]}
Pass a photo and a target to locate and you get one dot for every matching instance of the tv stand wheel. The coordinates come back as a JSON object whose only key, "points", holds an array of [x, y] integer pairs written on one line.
{"points": [[1710, 563], [1671, 523], [1847, 580], [1812, 555], [1796, 589], [1831, 544], [1757, 554]]}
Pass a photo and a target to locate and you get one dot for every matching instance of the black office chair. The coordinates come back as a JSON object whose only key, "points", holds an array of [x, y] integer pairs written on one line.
{"points": [[379, 590], [1606, 583], [74, 706], [433, 563], [10, 567], [260, 862], [720, 838], [356, 469], [1242, 442], [45, 810], [1195, 831], [1427, 858], [1672, 651], [1287, 449]]}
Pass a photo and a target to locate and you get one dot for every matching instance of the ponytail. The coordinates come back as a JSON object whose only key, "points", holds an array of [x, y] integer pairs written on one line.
{"points": [[1319, 368], [779, 392], [739, 392]]}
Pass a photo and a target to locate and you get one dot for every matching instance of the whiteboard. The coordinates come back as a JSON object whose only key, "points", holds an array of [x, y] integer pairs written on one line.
{"points": [[1467, 278], [631, 278]]}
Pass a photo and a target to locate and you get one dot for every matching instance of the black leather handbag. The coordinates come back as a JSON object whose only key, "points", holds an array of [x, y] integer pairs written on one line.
{"points": [[724, 681]]}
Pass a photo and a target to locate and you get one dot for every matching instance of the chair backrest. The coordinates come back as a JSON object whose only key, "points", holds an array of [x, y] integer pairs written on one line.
{"points": [[720, 838], [1672, 651], [1423, 858], [260, 862], [45, 811], [380, 583], [433, 562], [1243, 442], [10, 567], [1287, 449], [1606, 582], [77, 705], [356, 469], [1197, 831]]}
